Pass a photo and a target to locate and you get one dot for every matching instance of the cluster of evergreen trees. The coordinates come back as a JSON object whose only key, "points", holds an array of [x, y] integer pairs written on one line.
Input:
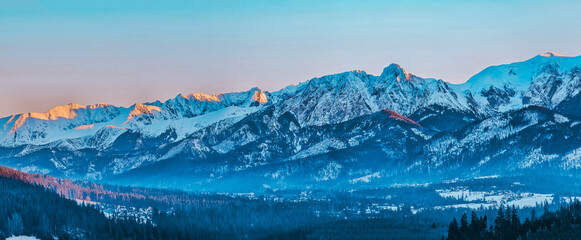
{"points": [[38, 205], [104, 193], [27, 209], [34, 210], [564, 223], [33, 204]]}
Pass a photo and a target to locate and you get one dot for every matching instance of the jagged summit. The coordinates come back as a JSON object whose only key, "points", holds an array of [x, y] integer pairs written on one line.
{"points": [[232, 98], [259, 96], [140, 109], [547, 79], [201, 97], [397, 71], [392, 71], [62, 111], [551, 54], [300, 129], [68, 111]]}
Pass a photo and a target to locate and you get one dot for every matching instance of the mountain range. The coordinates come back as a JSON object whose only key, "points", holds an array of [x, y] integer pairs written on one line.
{"points": [[347, 130]]}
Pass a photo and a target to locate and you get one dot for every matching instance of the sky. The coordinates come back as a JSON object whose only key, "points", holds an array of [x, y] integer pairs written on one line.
{"points": [[54, 52]]}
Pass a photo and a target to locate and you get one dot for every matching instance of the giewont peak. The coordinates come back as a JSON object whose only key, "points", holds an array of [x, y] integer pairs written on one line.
{"points": [[396, 71]]}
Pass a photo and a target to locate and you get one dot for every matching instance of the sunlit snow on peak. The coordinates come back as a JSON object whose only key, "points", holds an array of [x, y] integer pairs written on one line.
{"points": [[551, 54], [259, 96], [202, 97], [67, 111], [396, 70], [140, 109]]}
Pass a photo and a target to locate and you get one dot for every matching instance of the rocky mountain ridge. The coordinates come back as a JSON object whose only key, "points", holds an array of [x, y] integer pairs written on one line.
{"points": [[333, 130]]}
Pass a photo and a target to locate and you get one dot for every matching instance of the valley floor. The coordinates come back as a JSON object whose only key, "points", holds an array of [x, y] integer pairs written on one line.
{"points": [[34, 206]]}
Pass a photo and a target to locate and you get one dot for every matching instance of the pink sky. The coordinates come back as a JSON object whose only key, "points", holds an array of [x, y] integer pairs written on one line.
{"points": [[54, 53]]}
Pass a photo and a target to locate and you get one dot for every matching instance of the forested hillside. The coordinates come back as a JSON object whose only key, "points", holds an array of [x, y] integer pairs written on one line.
{"points": [[565, 223], [43, 206], [39, 205], [28, 209]]}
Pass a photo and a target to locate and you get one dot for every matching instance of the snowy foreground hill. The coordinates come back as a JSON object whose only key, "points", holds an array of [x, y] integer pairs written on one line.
{"points": [[350, 129], [21, 238]]}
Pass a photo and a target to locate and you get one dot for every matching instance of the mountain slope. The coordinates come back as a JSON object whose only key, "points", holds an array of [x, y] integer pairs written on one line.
{"points": [[546, 80], [315, 155], [529, 138], [346, 129], [184, 113]]}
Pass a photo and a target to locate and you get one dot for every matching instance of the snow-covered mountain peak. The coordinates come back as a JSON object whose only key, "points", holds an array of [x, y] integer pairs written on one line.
{"points": [[551, 54], [545, 80], [396, 71], [255, 94], [336, 81], [521, 73], [527, 104], [99, 105], [62, 111], [140, 109], [259, 96], [68, 111], [202, 97]]}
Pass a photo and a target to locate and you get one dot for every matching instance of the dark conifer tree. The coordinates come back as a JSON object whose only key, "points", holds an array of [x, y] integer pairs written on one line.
{"points": [[464, 225]]}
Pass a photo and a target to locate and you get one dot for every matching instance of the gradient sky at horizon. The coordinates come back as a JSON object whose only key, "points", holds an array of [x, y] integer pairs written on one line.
{"points": [[54, 52]]}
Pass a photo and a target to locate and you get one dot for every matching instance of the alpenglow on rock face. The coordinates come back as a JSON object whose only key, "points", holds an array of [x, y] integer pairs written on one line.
{"points": [[324, 132]]}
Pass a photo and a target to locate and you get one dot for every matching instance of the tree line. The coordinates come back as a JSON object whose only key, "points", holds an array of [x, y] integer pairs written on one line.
{"points": [[120, 195], [27, 209], [564, 223]]}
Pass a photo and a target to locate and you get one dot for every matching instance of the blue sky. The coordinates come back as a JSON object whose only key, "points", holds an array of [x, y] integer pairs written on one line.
{"points": [[59, 51]]}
